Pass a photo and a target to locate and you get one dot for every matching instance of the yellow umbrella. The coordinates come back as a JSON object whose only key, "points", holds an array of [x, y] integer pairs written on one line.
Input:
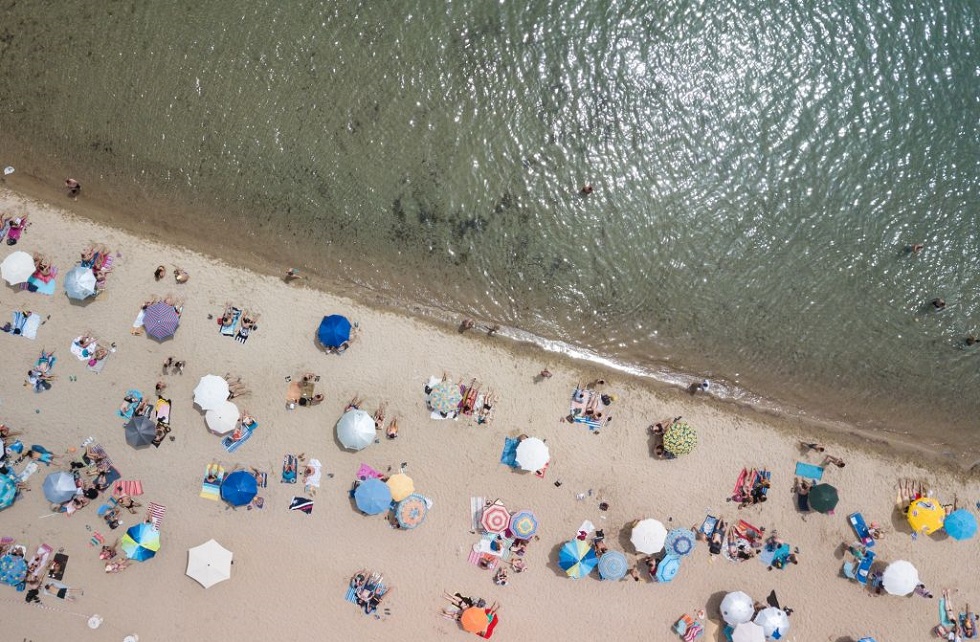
{"points": [[401, 486], [926, 515]]}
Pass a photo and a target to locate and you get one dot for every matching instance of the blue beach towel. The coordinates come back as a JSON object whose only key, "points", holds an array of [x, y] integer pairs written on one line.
{"points": [[233, 445], [509, 454], [809, 471], [861, 528], [229, 330], [132, 393], [769, 556], [35, 284], [593, 424]]}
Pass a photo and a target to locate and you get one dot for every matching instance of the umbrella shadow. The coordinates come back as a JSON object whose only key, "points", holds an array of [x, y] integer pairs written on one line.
{"points": [[900, 521], [553, 560], [81, 303], [712, 609]]}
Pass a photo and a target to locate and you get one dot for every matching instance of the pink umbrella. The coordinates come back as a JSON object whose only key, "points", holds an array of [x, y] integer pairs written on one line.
{"points": [[496, 518]]}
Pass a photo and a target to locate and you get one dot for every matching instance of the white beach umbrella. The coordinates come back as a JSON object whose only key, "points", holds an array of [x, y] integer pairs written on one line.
{"points": [[748, 632], [774, 622], [355, 430], [900, 578], [532, 454], [223, 419], [737, 607], [17, 267], [209, 563], [80, 283], [211, 392], [648, 536]]}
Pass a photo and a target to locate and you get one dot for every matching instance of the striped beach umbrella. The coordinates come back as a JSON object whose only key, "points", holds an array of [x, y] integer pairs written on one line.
{"points": [[667, 568], [141, 542], [495, 519], [8, 490], [411, 511], [372, 496], [680, 438], [613, 565], [160, 320], [524, 524], [680, 542], [577, 558], [401, 486], [445, 397]]}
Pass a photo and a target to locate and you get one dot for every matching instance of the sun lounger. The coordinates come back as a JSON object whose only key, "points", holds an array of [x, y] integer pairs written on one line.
{"points": [[229, 330], [861, 528], [508, 455], [212, 489], [809, 471], [58, 566], [231, 445]]}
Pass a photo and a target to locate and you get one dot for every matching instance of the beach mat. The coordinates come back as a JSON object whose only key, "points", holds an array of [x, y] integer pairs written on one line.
{"points": [[58, 566], [809, 471], [212, 490], [131, 487], [291, 463], [476, 511], [508, 455], [302, 504], [365, 471], [231, 445], [229, 330], [98, 366]]}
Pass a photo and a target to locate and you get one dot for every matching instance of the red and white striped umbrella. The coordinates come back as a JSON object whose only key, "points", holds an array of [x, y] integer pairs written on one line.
{"points": [[161, 320], [496, 518]]}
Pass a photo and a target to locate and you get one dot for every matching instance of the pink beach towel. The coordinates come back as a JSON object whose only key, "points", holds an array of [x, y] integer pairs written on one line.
{"points": [[133, 488], [155, 513], [365, 471]]}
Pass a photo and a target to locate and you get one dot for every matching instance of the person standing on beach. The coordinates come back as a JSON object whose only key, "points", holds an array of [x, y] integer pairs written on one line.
{"points": [[74, 187]]}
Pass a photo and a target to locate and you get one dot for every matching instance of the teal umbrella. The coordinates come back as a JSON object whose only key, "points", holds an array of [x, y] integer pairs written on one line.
{"points": [[577, 558], [823, 498], [8, 490]]}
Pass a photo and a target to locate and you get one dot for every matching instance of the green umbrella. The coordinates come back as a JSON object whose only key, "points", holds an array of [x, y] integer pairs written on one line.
{"points": [[680, 438], [823, 498]]}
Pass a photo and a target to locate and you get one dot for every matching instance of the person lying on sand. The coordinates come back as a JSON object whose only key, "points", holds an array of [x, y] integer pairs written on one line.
{"points": [[354, 403], [181, 275], [379, 415]]}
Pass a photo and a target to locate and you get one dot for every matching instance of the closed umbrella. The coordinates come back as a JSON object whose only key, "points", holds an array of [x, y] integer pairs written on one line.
{"points": [[680, 542], [239, 488], [523, 524], [17, 267], [141, 542], [680, 438], [160, 320], [445, 397], [748, 632], [223, 419], [411, 511], [774, 622], [495, 518], [961, 524], [59, 487], [648, 536], [900, 578], [8, 490], [211, 392], [334, 330], [532, 454], [80, 283], [401, 486], [209, 563], [577, 558], [372, 496], [356, 430], [823, 498], [737, 607], [140, 431], [926, 515], [613, 565], [667, 568]]}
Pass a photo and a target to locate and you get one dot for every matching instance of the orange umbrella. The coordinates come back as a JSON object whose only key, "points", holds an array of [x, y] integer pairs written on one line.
{"points": [[474, 620]]}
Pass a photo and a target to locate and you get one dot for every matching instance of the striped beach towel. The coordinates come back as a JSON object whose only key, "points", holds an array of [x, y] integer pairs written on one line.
{"points": [[97, 448], [97, 539], [212, 489], [133, 488], [155, 513], [477, 505], [231, 445]]}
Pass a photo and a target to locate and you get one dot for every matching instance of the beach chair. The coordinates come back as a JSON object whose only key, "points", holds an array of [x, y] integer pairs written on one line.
{"points": [[864, 568], [861, 528]]}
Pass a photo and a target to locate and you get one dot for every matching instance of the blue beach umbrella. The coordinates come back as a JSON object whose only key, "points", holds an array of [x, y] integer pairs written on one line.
{"points": [[577, 558], [680, 542], [13, 569], [333, 331], [161, 320], [8, 490], [372, 496], [80, 283], [613, 565], [961, 524], [141, 542], [59, 487], [667, 568], [239, 488], [411, 511]]}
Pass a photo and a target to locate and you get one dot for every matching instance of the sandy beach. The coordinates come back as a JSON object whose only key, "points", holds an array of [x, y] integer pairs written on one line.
{"points": [[291, 569]]}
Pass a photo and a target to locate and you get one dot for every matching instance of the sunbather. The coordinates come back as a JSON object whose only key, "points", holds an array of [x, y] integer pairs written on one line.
{"points": [[836, 461], [354, 403], [128, 503], [391, 432], [379, 415], [160, 272], [717, 538], [63, 593], [950, 611], [969, 623]]}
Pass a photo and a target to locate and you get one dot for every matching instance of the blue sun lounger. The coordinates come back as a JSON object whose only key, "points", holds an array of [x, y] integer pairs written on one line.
{"points": [[865, 567], [861, 528]]}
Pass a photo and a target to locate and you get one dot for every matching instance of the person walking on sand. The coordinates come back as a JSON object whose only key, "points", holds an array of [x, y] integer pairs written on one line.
{"points": [[74, 187], [292, 274], [836, 461]]}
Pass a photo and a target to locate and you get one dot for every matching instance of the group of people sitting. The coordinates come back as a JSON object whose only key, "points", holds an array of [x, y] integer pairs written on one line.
{"points": [[657, 430], [369, 590], [99, 259], [11, 228], [87, 348]]}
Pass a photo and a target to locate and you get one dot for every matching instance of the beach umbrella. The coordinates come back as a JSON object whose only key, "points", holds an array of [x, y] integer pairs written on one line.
{"points": [[13, 569], [333, 331], [209, 563], [680, 542], [356, 430], [577, 558], [495, 519], [239, 488], [926, 515], [900, 578], [680, 438], [523, 524], [59, 487], [648, 536], [823, 498], [372, 496], [17, 267], [80, 283], [532, 454], [411, 511], [613, 565], [667, 568], [8, 490], [140, 431], [774, 622], [160, 320], [961, 524], [737, 607], [211, 392], [141, 542], [223, 419], [445, 397], [748, 632], [474, 620], [401, 486]]}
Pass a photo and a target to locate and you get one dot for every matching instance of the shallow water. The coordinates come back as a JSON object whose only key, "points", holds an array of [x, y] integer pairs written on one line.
{"points": [[758, 171]]}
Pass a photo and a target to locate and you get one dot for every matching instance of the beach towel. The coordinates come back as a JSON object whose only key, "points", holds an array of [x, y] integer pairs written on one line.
{"points": [[17, 321], [103, 456], [351, 596], [83, 354], [708, 525], [30, 326], [365, 472], [231, 445], [97, 365], [162, 410], [769, 555], [29, 470], [945, 621], [138, 321], [509, 454], [60, 590], [312, 481], [43, 554], [262, 479], [809, 471], [97, 539], [477, 504], [137, 397], [212, 489], [133, 488], [155, 513], [229, 330], [38, 284], [289, 466], [58, 566], [301, 504]]}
